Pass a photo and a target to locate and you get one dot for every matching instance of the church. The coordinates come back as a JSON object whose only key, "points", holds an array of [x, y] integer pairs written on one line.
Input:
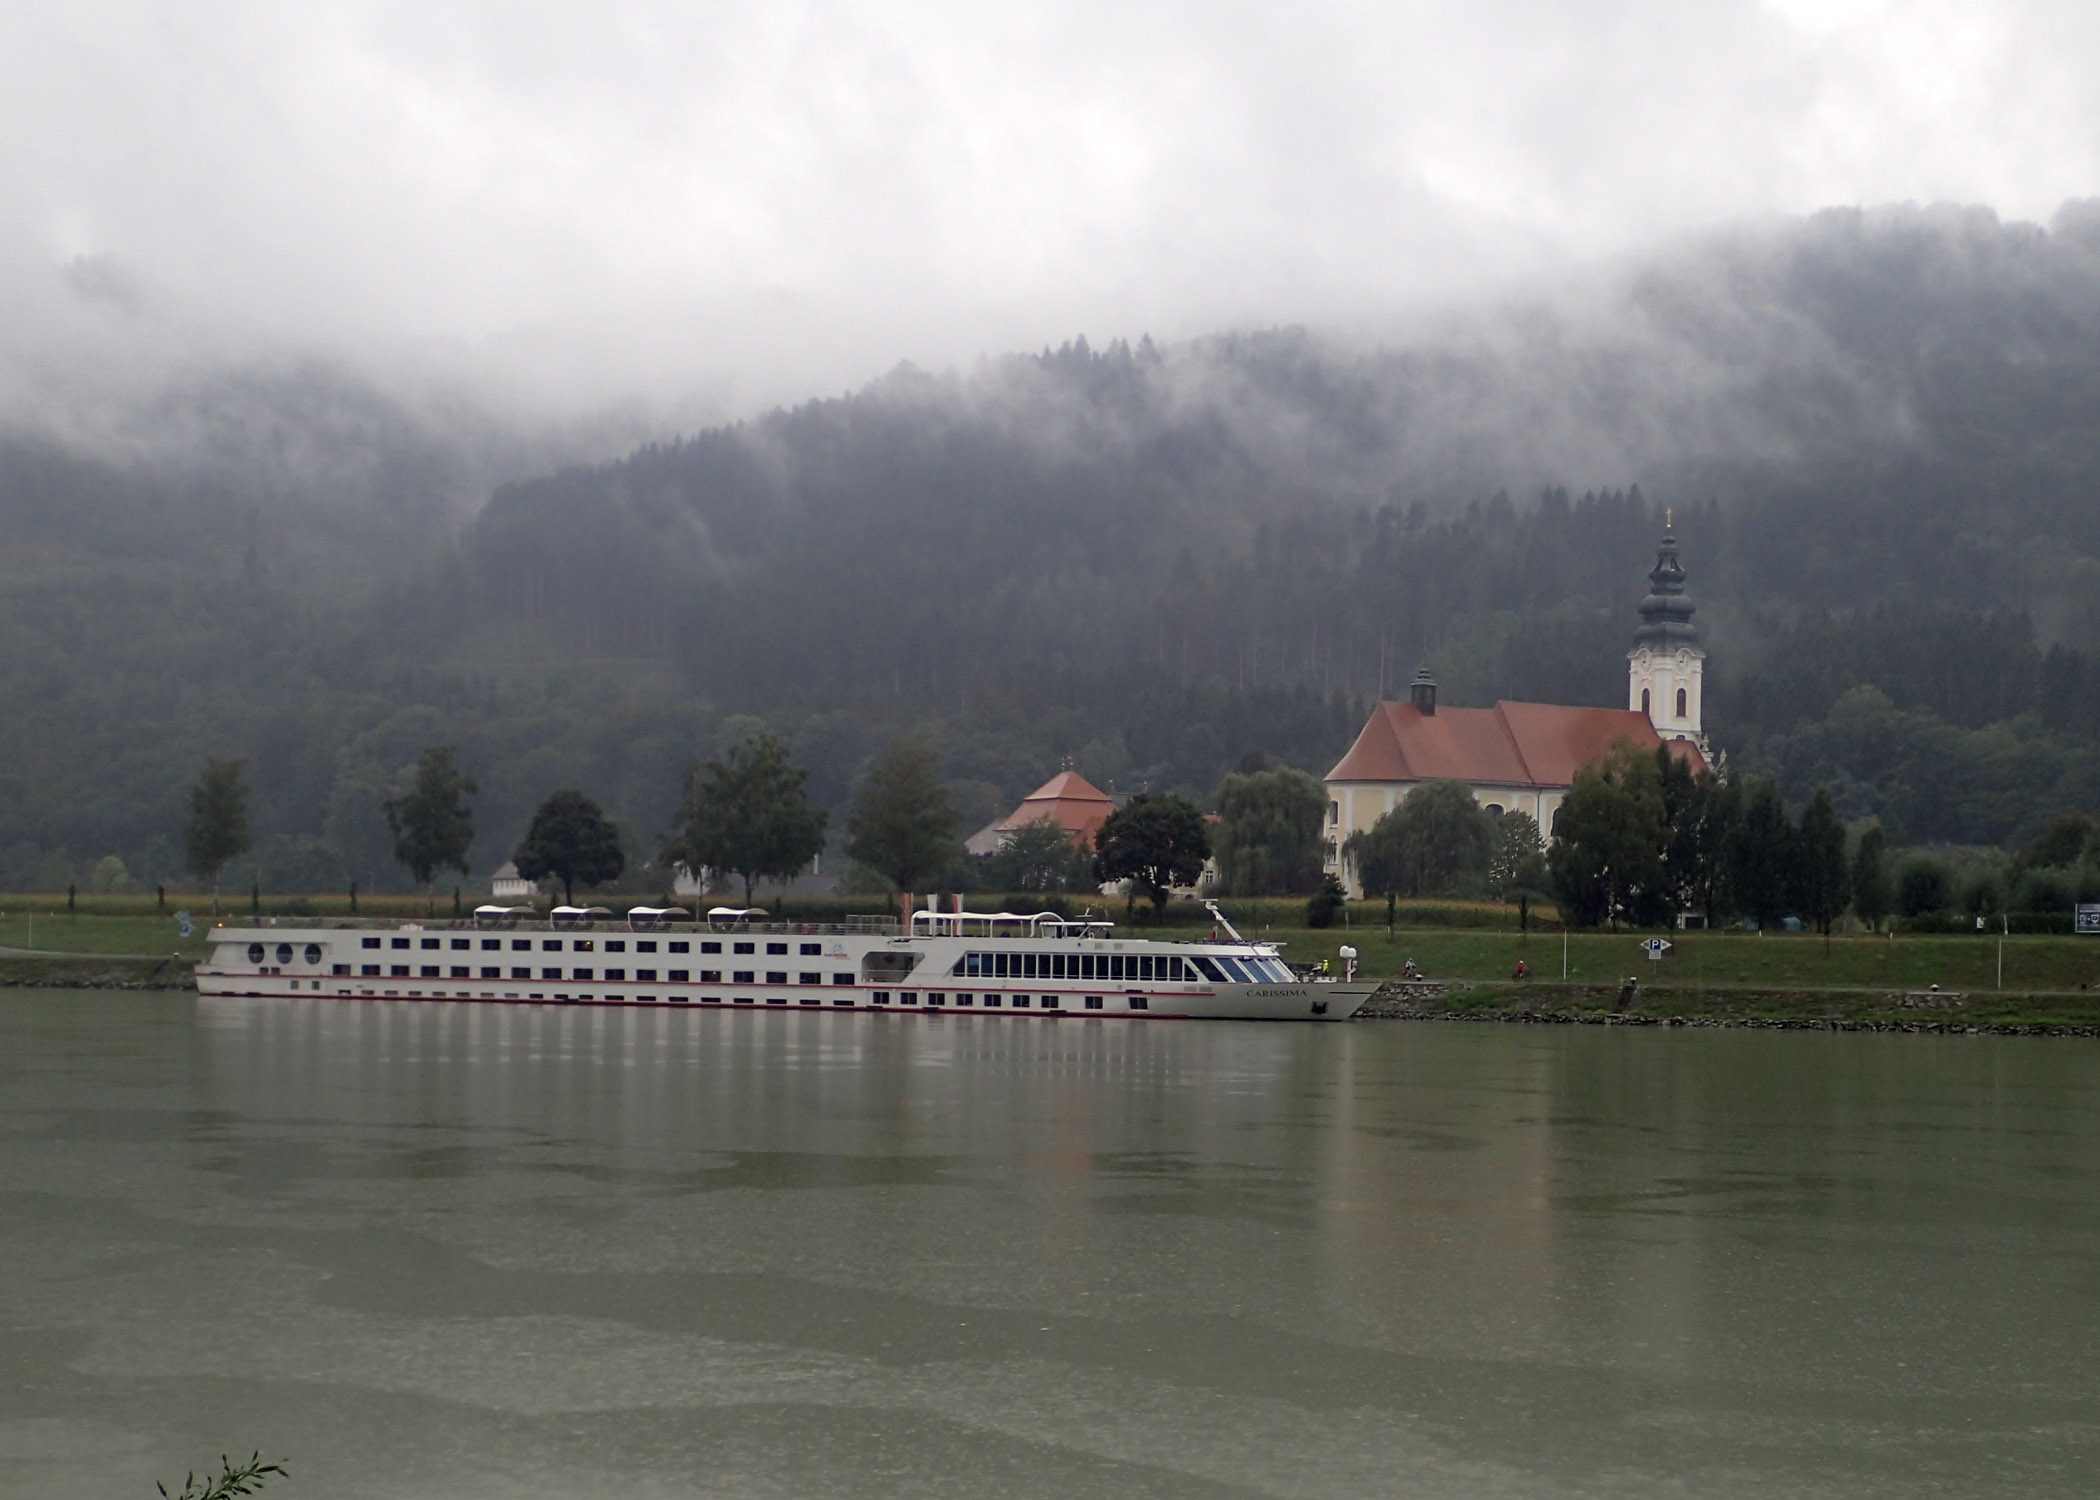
{"points": [[1522, 757]]}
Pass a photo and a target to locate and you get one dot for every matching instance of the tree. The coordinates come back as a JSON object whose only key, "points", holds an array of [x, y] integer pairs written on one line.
{"points": [[1700, 810], [1870, 878], [1762, 855], [1609, 838], [1436, 842], [2064, 839], [1516, 855], [747, 814], [1267, 840], [1155, 841], [431, 823], [1821, 876], [902, 825], [1924, 886], [1037, 856], [218, 827], [570, 840]]}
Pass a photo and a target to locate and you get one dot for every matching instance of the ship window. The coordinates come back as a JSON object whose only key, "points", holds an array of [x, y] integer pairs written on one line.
{"points": [[1145, 968], [1680, 703], [492, 945], [1093, 1002], [970, 964], [616, 945], [255, 953], [645, 976], [491, 971], [645, 945], [964, 997], [992, 1001], [710, 947], [521, 972], [678, 976], [579, 973], [550, 973], [1138, 1002], [805, 977], [1208, 968], [615, 976], [776, 947], [710, 976], [1020, 1002], [841, 978], [550, 945], [812, 950], [908, 997], [882, 997], [369, 942], [400, 971], [741, 976], [680, 946], [461, 971], [521, 945], [1239, 975], [935, 997], [1050, 1002], [371, 969], [742, 948], [340, 969], [398, 943], [776, 976], [585, 945]]}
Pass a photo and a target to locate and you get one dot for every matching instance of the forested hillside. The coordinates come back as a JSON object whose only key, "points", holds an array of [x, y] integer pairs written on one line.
{"points": [[1880, 434]]}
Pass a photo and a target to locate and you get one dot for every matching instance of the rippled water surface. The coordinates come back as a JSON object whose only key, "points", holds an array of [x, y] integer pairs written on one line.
{"points": [[446, 1251]]}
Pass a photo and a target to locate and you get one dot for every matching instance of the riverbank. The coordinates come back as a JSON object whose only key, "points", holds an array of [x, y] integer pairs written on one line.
{"points": [[1958, 1012], [94, 971]]}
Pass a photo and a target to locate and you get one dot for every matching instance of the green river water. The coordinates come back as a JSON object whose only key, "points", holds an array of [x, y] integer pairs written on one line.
{"points": [[453, 1251]]}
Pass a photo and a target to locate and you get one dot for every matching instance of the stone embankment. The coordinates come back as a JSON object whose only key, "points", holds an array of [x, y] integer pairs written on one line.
{"points": [[81, 972], [1924, 1012]]}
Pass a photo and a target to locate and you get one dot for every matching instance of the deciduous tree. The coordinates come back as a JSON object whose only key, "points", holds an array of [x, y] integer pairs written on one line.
{"points": [[1155, 842], [1436, 842], [571, 841], [1870, 878], [902, 825], [1609, 841], [1267, 839], [747, 814], [218, 826], [1821, 877], [1038, 856], [432, 825]]}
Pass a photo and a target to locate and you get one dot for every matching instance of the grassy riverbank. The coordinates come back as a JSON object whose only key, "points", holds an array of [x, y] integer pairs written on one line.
{"points": [[1853, 1009]]}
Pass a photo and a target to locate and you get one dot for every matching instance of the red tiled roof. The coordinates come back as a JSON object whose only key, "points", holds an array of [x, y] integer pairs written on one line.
{"points": [[1511, 744], [1067, 799]]}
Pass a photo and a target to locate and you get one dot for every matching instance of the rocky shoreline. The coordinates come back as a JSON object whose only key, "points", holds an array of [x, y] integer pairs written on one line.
{"points": [[1420, 1000]]}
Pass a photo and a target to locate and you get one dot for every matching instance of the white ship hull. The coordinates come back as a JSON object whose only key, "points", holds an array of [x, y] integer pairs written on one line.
{"points": [[776, 967]]}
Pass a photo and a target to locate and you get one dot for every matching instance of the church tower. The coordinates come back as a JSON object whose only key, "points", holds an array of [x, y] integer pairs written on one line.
{"points": [[1667, 667]]}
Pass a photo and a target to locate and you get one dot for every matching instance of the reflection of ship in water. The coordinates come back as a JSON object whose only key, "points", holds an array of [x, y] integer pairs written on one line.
{"points": [[988, 964]]}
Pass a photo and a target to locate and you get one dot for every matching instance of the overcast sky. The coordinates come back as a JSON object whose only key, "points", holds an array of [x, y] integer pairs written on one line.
{"points": [[736, 203]]}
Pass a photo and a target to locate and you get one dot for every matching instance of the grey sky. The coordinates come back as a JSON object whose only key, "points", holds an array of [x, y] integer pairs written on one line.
{"points": [[729, 203]]}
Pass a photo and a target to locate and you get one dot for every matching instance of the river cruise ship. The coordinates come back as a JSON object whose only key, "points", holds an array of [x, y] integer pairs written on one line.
{"points": [[956, 962]]}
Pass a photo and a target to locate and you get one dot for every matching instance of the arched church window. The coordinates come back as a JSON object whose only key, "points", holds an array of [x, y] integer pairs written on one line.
{"points": [[1644, 700], [1680, 703]]}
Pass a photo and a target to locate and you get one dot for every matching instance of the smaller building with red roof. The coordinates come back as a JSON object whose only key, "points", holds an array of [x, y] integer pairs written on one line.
{"points": [[1068, 800]]}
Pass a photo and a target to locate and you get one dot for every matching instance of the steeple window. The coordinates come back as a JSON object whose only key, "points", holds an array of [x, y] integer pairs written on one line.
{"points": [[1644, 702], [1680, 702]]}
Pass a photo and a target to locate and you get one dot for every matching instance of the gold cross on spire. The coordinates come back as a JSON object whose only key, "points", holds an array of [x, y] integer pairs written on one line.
{"points": [[1669, 518]]}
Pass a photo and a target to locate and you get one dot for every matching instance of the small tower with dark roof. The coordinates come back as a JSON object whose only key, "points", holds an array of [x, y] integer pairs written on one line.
{"points": [[1666, 669]]}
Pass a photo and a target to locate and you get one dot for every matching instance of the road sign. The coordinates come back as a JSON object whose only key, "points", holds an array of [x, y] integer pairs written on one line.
{"points": [[182, 923], [1657, 947], [2086, 918]]}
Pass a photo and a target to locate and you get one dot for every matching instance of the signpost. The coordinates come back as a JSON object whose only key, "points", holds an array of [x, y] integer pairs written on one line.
{"points": [[1656, 948], [2085, 918]]}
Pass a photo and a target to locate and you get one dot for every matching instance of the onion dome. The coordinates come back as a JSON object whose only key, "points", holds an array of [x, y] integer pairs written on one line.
{"points": [[1666, 614]]}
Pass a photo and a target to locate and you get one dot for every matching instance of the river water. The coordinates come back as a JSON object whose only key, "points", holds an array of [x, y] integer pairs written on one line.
{"points": [[454, 1251]]}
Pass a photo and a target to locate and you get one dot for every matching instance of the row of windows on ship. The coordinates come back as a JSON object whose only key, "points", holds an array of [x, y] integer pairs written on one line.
{"points": [[1148, 968]]}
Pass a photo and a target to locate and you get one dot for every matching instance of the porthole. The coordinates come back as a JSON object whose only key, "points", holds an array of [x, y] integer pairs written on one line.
{"points": [[284, 953], [313, 953], [255, 953]]}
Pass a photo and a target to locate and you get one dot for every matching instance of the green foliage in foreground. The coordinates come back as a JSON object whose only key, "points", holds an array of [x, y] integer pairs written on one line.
{"points": [[233, 1480]]}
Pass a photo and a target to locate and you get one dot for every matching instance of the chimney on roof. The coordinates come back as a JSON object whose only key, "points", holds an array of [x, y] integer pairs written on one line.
{"points": [[1423, 693]]}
